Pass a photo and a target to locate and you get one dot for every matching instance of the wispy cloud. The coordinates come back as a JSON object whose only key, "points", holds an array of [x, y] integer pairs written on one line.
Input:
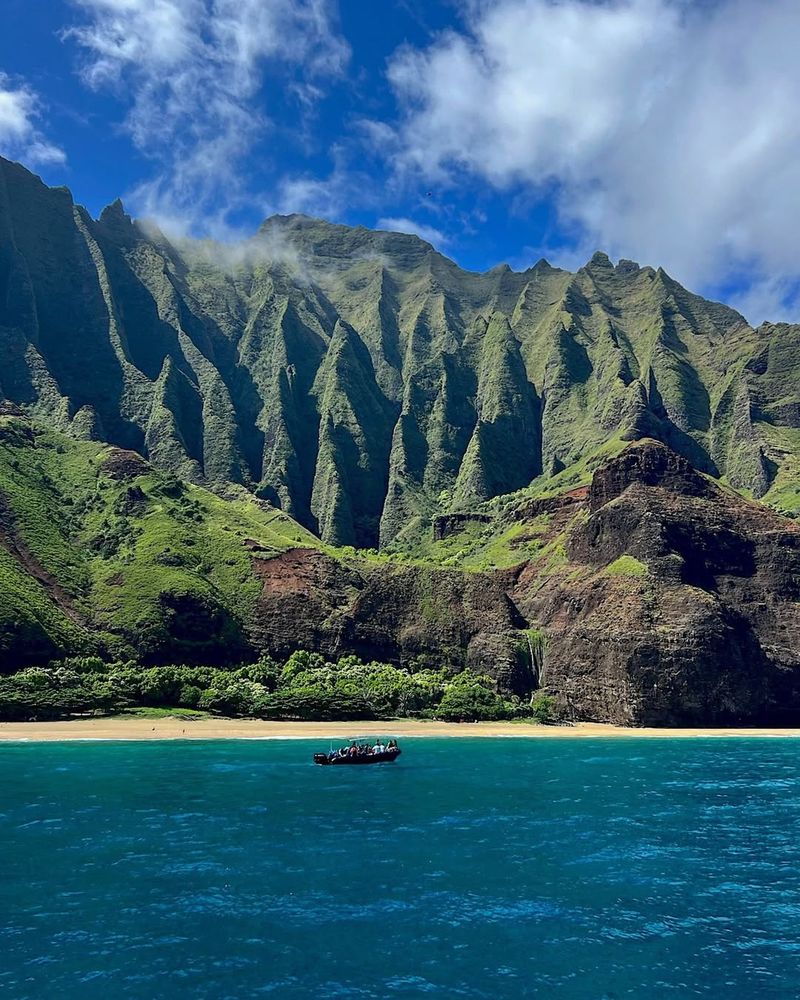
{"points": [[667, 131], [193, 72], [401, 225], [323, 197], [776, 299], [20, 133]]}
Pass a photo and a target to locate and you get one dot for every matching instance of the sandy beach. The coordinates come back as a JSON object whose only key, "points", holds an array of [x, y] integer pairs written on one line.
{"points": [[122, 728]]}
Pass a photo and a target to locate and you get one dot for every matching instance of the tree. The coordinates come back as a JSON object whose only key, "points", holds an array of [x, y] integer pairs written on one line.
{"points": [[471, 703], [190, 696], [543, 708]]}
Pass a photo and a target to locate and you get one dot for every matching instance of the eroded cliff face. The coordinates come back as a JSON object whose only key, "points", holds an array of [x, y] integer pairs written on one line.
{"points": [[362, 382], [408, 615], [677, 602]]}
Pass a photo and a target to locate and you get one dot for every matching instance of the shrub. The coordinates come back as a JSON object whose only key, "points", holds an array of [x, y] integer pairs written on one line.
{"points": [[472, 703], [543, 708], [305, 687], [190, 696]]}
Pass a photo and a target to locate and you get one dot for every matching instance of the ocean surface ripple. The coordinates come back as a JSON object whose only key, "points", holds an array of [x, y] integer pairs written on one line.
{"points": [[476, 868]]}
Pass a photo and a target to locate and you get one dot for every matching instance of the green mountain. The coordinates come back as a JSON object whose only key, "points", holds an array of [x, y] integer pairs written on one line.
{"points": [[362, 382], [652, 596], [336, 440]]}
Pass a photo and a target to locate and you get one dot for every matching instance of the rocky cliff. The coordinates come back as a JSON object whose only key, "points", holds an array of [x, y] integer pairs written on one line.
{"points": [[560, 472], [362, 382], [676, 601], [656, 598]]}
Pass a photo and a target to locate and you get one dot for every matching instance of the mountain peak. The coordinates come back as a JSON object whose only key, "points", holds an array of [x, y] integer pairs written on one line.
{"points": [[600, 259], [114, 214]]}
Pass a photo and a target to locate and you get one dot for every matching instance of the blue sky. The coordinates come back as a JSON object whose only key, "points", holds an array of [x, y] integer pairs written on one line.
{"points": [[661, 130]]}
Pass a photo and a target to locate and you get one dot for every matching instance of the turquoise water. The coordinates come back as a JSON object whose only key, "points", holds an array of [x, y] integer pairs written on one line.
{"points": [[471, 868]]}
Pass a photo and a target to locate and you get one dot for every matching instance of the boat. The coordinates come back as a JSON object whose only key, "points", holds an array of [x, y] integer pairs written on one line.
{"points": [[360, 751]]}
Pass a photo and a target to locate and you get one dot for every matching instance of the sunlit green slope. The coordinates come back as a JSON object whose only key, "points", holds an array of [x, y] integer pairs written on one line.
{"points": [[98, 550]]}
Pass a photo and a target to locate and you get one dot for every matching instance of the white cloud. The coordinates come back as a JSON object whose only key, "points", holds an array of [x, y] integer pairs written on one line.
{"points": [[428, 233], [347, 184], [192, 71], [668, 131], [324, 198], [20, 136], [776, 299]]}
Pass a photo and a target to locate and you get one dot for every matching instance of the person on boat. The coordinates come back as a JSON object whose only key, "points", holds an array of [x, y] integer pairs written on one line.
{"points": [[353, 750], [391, 745], [379, 748]]}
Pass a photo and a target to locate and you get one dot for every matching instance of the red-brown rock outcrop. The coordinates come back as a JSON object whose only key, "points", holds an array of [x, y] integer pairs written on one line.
{"points": [[664, 599]]}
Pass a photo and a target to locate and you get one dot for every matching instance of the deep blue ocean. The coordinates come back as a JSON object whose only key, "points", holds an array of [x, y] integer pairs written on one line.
{"points": [[471, 868]]}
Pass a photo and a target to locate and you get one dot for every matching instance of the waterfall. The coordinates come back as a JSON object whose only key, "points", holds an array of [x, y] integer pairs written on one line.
{"points": [[534, 667], [536, 655]]}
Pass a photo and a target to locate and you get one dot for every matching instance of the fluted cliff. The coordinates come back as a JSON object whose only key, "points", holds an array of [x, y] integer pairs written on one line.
{"points": [[361, 381]]}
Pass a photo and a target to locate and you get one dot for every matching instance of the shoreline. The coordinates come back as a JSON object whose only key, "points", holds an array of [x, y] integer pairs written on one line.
{"points": [[171, 728]]}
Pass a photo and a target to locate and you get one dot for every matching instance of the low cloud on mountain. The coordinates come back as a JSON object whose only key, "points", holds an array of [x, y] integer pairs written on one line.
{"points": [[193, 74]]}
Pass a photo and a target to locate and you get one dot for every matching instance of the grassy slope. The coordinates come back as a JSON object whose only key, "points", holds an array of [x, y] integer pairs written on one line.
{"points": [[784, 493], [101, 552], [505, 540]]}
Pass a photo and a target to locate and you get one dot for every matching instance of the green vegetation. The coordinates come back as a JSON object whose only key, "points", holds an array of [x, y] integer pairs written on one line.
{"points": [[164, 713], [626, 566], [306, 686], [479, 544], [784, 492], [543, 708], [366, 384], [100, 552]]}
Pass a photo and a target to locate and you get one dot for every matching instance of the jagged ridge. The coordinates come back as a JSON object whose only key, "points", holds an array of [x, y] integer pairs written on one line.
{"points": [[361, 381]]}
